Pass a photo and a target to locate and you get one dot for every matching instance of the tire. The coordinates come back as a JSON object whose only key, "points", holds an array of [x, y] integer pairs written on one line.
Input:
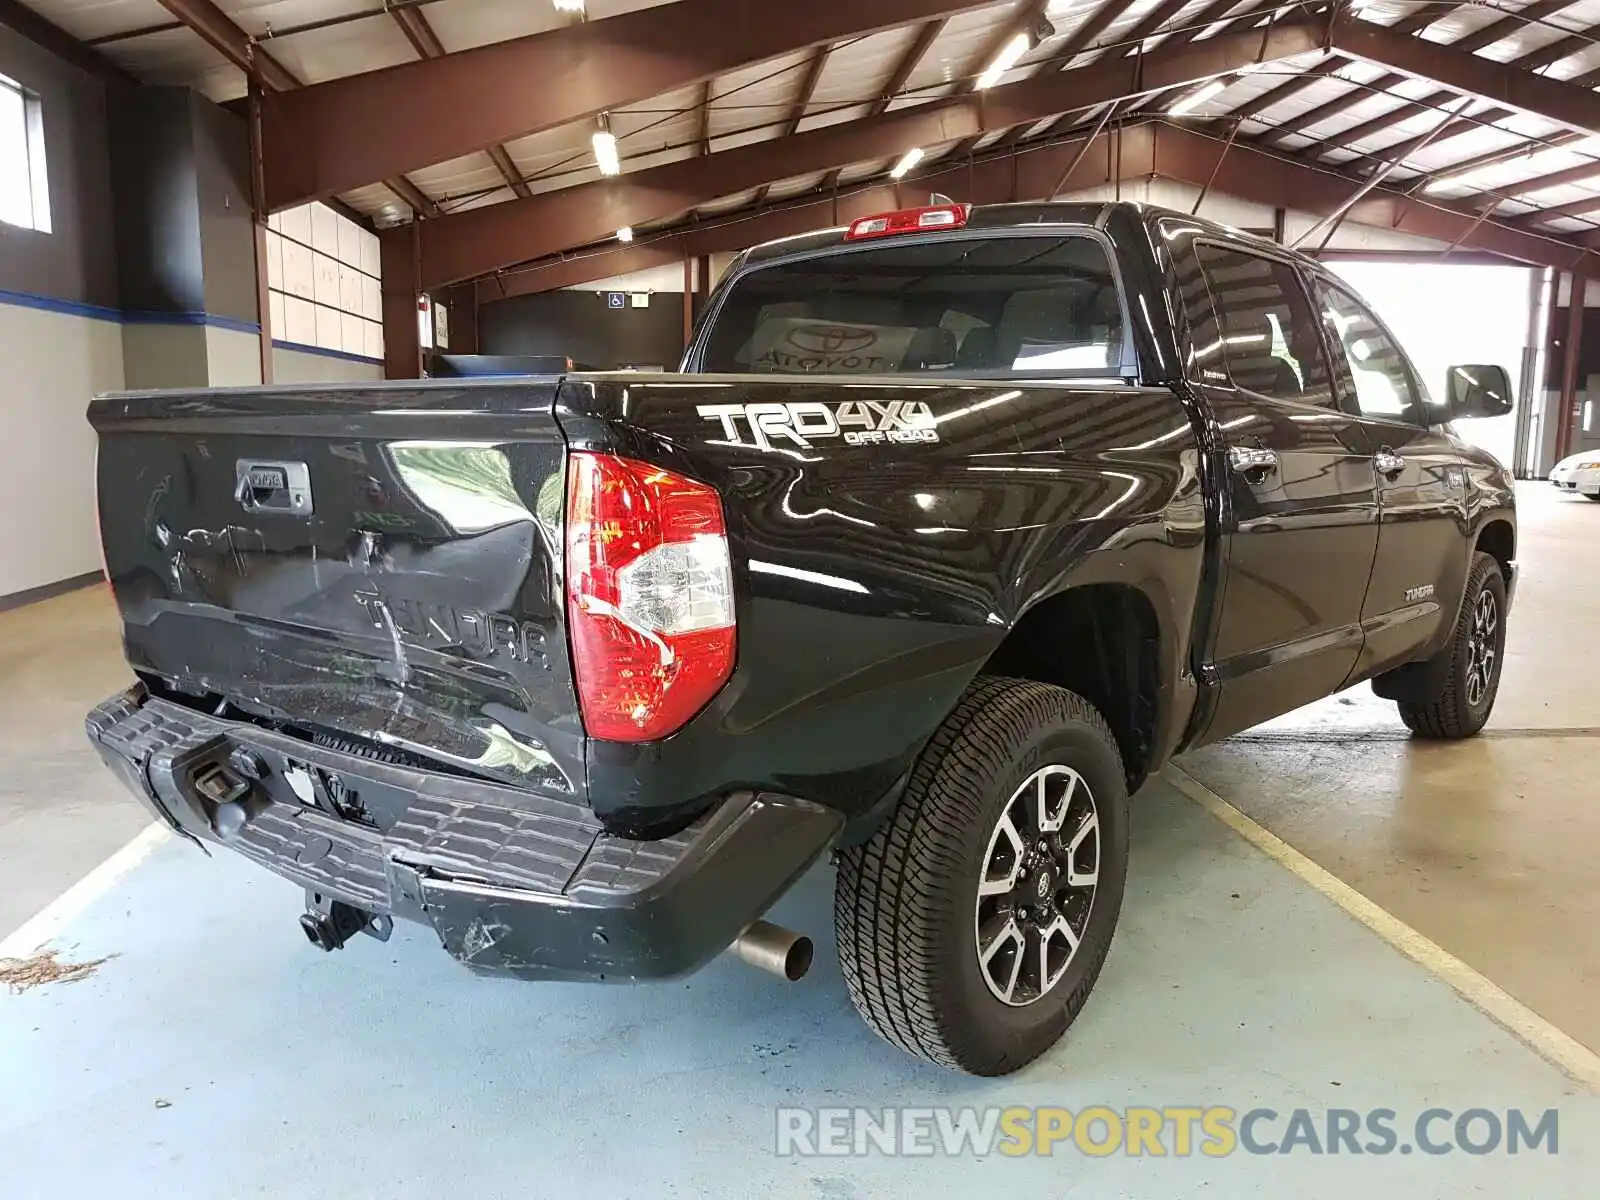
{"points": [[1460, 710], [908, 917], [1591, 495]]}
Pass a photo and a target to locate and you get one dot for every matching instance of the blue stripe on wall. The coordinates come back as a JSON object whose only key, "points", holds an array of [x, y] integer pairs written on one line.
{"points": [[71, 308], [302, 348], [189, 318], [99, 312]]}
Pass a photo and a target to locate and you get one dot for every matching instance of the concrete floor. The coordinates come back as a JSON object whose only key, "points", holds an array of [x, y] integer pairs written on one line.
{"points": [[58, 819], [215, 1055], [1486, 847]]}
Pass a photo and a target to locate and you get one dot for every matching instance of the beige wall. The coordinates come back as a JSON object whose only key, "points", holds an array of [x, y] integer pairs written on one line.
{"points": [[233, 358], [290, 367], [54, 363]]}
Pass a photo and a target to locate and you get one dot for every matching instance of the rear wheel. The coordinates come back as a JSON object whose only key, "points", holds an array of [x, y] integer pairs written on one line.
{"points": [[974, 923], [1476, 650]]}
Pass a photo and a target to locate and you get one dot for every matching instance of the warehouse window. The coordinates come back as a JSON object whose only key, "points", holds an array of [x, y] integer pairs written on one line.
{"points": [[24, 184], [322, 276]]}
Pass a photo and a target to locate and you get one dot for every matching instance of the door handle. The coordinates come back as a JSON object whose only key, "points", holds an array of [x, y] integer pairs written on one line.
{"points": [[1252, 460], [1387, 463]]}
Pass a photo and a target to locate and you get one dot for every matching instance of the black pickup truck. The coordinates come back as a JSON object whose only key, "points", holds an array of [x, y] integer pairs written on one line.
{"points": [[955, 526]]}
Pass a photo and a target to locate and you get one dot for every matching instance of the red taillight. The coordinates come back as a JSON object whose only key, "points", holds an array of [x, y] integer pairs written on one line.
{"points": [[649, 596], [910, 220]]}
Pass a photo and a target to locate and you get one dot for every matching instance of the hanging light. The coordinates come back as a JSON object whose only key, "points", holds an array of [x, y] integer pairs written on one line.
{"points": [[1197, 97], [911, 158], [1007, 58], [605, 149]]}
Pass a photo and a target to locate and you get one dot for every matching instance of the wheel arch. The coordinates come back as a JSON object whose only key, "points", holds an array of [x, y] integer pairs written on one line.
{"points": [[1498, 539], [1123, 673]]}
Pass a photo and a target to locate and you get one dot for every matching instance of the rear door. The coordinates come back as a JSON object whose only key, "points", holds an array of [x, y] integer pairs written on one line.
{"points": [[1421, 564], [1300, 520]]}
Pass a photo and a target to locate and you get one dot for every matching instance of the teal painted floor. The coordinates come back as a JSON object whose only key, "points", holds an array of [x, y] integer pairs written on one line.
{"points": [[216, 1055]]}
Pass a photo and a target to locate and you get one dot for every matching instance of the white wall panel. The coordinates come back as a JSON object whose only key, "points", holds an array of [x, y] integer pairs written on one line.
{"points": [[299, 275], [371, 299], [296, 223], [349, 289], [330, 329], [324, 229], [370, 258], [54, 364], [325, 275], [349, 242], [352, 334], [299, 321], [275, 260]]}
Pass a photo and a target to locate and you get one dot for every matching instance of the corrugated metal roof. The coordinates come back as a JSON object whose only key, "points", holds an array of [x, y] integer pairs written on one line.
{"points": [[754, 103]]}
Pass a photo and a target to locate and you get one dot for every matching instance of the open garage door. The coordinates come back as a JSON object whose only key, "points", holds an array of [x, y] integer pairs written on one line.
{"points": [[1447, 313]]}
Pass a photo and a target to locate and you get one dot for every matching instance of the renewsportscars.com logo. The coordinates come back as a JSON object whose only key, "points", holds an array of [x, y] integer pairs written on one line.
{"points": [[1172, 1131]]}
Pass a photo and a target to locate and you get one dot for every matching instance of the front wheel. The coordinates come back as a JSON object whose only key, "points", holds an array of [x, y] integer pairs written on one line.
{"points": [[1476, 651], [974, 923]]}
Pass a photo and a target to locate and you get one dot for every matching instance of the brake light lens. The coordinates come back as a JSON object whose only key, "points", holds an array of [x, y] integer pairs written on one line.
{"points": [[909, 220], [649, 596]]}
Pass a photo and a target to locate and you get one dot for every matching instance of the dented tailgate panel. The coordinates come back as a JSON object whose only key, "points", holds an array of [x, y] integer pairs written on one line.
{"points": [[378, 561]]}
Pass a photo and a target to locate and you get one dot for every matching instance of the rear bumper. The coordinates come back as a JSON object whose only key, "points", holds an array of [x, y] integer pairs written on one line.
{"points": [[514, 884]]}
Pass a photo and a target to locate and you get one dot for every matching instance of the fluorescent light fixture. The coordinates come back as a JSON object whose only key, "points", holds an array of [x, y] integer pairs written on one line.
{"points": [[1197, 97], [1009, 54], [605, 152], [569, 6], [625, 234], [912, 157]]}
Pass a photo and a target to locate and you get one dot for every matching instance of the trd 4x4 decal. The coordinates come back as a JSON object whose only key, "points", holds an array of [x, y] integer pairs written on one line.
{"points": [[799, 423]]}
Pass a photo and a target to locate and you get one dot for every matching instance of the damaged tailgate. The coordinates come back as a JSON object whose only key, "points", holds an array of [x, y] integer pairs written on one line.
{"points": [[378, 563]]}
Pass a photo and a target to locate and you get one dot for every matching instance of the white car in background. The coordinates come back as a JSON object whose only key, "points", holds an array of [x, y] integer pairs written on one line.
{"points": [[1579, 473]]}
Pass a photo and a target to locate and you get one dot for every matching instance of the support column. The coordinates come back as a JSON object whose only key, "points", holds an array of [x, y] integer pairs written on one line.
{"points": [[1566, 411], [258, 217], [688, 301], [189, 256], [402, 348], [462, 301]]}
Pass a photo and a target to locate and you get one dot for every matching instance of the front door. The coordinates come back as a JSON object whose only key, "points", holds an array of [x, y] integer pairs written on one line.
{"points": [[1422, 559], [1300, 519]]}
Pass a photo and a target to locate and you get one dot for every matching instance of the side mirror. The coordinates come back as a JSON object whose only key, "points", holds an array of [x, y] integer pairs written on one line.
{"points": [[1478, 390]]}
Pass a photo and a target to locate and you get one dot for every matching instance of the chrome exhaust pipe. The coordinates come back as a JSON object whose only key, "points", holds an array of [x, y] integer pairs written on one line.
{"points": [[774, 949]]}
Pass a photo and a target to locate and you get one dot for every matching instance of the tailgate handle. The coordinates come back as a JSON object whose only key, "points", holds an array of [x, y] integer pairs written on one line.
{"points": [[272, 485]]}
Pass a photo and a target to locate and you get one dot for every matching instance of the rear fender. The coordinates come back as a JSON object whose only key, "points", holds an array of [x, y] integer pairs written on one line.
{"points": [[876, 577]]}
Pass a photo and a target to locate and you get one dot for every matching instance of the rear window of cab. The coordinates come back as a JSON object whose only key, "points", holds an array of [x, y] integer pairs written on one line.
{"points": [[1026, 305]]}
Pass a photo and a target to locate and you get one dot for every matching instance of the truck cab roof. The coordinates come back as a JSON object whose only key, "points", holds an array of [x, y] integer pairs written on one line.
{"points": [[1095, 214]]}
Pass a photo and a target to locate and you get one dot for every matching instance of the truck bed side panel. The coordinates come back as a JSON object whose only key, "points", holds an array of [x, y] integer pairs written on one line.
{"points": [[878, 566]]}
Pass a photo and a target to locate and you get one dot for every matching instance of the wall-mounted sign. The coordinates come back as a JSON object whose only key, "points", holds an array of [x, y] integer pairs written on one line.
{"points": [[616, 300], [425, 322], [640, 299]]}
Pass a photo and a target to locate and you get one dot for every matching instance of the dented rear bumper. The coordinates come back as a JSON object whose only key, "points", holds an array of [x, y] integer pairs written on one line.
{"points": [[513, 883]]}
